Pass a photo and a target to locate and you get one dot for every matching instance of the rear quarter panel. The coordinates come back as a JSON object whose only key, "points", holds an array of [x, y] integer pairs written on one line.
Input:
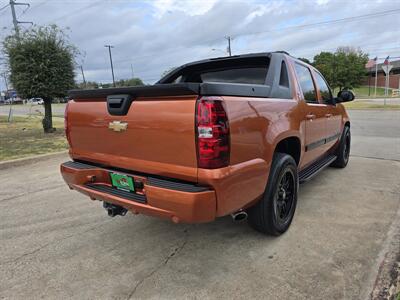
{"points": [[256, 126]]}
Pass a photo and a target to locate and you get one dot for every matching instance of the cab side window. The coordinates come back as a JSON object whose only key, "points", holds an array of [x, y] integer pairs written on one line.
{"points": [[306, 83], [324, 89]]}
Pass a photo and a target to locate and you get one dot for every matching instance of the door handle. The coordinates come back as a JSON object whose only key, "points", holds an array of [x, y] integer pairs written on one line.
{"points": [[310, 117], [328, 115]]}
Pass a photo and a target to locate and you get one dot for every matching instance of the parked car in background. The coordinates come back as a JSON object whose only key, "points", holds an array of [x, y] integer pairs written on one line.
{"points": [[60, 100], [35, 101], [16, 101]]}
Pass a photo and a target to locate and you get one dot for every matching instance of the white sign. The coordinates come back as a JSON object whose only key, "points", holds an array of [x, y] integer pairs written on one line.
{"points": [[387, 68]]}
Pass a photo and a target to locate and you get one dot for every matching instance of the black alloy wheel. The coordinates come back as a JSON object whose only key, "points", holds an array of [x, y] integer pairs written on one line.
{"points": [[284, 196]]}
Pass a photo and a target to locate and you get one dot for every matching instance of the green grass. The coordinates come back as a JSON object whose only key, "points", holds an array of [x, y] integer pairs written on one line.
{"points": [[24, 137], [362, 92]]}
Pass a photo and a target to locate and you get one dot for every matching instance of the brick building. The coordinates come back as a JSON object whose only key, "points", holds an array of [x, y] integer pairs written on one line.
{"points": [[394, 79]]}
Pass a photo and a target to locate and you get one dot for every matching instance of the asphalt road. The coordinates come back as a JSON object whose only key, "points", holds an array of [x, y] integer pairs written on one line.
{"points": [[55, 243]]}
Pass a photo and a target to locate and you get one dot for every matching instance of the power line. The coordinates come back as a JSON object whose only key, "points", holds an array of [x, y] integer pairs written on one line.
{"points": [[149, 77], [334, 21], [38, 4], [309, 25], [24, 11], [342, 20], [74, 12], [4, 7], [304, 52]]}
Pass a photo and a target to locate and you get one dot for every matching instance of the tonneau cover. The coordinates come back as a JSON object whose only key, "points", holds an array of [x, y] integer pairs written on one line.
{"points": [[178, 89]]}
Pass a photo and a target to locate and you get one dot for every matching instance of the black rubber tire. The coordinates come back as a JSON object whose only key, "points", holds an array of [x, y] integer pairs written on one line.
{"points": [[262, 216], [343, 150]]}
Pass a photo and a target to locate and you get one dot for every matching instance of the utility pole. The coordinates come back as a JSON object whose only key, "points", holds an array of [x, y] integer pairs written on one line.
{"points": [[376, 76], [14, 16], [229, 38], [10, 112], [83, 75], [111, 62], [369, 82]]}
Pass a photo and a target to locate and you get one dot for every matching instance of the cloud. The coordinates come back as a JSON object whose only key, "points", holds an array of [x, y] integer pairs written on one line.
{"points": [[191, 8], [154, 36]]}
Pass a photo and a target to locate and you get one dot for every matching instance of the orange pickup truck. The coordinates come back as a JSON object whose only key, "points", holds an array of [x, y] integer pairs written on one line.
{"points": [[226, 136]]}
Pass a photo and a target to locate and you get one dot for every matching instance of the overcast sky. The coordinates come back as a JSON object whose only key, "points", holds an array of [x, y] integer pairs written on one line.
{"points": [[155, 36]]}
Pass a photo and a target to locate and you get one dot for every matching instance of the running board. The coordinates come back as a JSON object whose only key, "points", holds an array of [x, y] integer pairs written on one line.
{"points": [[315, 168]]}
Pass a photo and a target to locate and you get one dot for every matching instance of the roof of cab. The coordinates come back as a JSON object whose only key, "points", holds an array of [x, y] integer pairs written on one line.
{"points": [[223, 58]]}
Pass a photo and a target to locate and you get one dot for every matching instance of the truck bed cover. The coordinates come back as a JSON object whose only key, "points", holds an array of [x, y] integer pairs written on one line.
{"points": [[177, 89]]}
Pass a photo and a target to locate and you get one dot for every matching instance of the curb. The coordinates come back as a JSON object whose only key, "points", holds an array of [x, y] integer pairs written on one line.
{"points": [[386, 284], [30, 160]]}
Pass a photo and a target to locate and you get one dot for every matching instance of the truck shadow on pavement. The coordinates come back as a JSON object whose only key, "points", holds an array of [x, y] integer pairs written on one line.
{"points": [[76, 251]]}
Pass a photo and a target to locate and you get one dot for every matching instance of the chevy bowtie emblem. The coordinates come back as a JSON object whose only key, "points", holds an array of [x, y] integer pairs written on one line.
{"points": [[117, 126]]}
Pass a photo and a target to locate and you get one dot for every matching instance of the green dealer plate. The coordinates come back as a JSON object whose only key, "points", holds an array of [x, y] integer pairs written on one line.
{"points": [[122, 182]]}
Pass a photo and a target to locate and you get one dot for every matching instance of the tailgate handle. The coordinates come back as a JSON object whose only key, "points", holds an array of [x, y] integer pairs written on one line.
{"points": [[118, 105], [115, 102]]}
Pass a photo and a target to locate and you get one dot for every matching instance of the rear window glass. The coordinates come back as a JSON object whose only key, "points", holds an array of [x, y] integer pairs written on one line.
{"points": [[244, 75], [250, 70]]}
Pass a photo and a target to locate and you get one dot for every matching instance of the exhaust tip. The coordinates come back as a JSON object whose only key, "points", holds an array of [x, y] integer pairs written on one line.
{"points": [[239, 216]]}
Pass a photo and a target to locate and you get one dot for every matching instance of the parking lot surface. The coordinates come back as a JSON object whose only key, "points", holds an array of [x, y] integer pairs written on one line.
{"points": [[56, 243]]}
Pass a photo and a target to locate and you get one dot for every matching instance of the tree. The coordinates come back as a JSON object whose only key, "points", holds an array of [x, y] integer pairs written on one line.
{"points": [[129, 82], [41, 63], [87, 85], [325, 63], [350, 67], [343, 69], [120, 83]]}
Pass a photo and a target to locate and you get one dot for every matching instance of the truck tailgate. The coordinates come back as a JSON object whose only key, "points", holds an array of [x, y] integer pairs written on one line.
{"points": [[159, 138]]}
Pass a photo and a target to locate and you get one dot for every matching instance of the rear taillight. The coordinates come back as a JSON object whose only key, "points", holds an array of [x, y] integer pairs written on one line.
{"points": [[212, 126], [66, 127]]}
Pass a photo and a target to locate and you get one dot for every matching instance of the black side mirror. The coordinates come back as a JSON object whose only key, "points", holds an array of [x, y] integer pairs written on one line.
{"points": [[345, 96]]}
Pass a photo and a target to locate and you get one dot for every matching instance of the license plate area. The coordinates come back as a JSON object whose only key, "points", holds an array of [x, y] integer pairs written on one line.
{"points": [[122, 182]]}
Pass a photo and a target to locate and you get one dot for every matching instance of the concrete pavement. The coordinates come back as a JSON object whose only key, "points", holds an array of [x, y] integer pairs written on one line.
{"points": [[56, 243], [389, 100]]}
